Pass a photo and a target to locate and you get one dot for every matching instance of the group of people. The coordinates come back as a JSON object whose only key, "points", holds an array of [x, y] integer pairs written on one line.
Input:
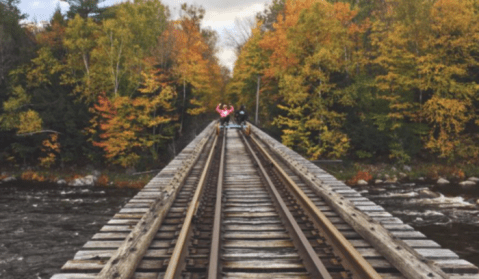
{"points": [[240, 116]]}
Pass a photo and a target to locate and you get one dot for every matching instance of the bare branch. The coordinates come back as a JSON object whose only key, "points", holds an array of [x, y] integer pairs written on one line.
{"points": [[237, 37], [38, 132]]}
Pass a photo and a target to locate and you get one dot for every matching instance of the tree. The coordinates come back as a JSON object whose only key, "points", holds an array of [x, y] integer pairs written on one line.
{"points": [[80, 40], [425, 49], [15, 45], [270, 15], [195, 66], [311, 51], [124, 123], [83, 8], [250, 65]]}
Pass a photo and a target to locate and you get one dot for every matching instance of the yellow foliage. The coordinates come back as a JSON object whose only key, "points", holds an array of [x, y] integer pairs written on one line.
{"points": [[29, 122], [32, 176]]}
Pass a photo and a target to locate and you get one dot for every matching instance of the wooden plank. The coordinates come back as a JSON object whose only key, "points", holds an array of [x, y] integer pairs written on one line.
{"points": [[457, 266], [251, 275], [258, 243], [437, 253], [125, 260], [263, 265], [74, 276], [404, 258], [256, 235]]}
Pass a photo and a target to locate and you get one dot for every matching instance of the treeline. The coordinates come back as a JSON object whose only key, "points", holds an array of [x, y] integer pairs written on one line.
{"points": [[114, 85], [386, 80]]}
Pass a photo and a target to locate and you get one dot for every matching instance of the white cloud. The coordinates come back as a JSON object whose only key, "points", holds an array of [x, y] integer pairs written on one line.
{"points": [[227, 57], [63, 5], [226, 17]]}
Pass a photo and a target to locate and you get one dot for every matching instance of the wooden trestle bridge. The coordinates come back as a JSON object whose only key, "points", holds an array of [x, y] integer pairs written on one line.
{"points": [[239, 204]]}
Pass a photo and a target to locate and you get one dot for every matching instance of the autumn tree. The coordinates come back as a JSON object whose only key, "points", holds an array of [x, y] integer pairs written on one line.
{"points": [[311, 57], [425, 60], [195, 67], [125, 123], [444, 70]]}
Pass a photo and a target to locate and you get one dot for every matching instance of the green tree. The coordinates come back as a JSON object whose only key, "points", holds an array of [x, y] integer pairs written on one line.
{"points": [[83, 8]]}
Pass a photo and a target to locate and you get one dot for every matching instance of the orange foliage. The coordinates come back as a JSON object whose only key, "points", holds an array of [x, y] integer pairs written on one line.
{"points": [[123, 124], [102, 180], [450, 172], [361, 175], [130, 184], [32, 176], [50, 147], [71, 178]]}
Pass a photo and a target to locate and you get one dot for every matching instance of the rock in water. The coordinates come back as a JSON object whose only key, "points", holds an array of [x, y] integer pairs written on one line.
{"points": [[475, 179], [428, 194], [468, 184], [442, 181], [76, 182], [8, 179], [88, 180], [362, 182], [392, 180], [378, 181], [377, 191]]}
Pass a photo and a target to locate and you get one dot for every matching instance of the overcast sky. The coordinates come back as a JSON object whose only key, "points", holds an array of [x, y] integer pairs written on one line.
{"points": [[220, 15]]}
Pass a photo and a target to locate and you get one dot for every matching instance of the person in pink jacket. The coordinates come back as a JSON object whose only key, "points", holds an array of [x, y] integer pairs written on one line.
{"points": [[224, 113]]}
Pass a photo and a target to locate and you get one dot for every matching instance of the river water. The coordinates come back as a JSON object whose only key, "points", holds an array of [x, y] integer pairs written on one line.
{"points": [[42, 225], [451, 219]]}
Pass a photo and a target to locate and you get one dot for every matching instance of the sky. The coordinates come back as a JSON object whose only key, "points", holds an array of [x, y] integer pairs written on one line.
{"points": [[220, 16]]}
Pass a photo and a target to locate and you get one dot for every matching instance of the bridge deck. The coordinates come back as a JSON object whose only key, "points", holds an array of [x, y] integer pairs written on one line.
{"points": [[92, 258]]}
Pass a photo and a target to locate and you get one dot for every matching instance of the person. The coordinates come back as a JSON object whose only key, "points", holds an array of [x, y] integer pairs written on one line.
{"points": [[241, 115], [224, 113]]}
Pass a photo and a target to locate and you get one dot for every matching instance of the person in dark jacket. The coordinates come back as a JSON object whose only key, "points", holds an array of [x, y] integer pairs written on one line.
{"points": [[241, 115]]}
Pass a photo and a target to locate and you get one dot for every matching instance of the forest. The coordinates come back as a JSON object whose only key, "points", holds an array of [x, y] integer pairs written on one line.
{"points": [[392, 81], [115, 86]]}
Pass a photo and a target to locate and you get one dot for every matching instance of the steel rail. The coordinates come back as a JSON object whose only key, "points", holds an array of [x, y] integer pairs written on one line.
{"points": [[355, 261], [180, 247], [124, 261], [310, 258], [215, 240]]}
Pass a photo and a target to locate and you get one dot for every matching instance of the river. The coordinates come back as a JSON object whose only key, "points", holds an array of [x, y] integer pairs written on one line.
{"points": [[42, 225], [451, 219]]}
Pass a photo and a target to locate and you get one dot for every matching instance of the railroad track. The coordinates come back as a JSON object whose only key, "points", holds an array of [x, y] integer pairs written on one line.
{"points": [[235, 208]]}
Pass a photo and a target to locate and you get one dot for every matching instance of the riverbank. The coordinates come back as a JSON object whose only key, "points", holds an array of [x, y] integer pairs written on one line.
{"points": [[359, 174], [88, 177]]}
